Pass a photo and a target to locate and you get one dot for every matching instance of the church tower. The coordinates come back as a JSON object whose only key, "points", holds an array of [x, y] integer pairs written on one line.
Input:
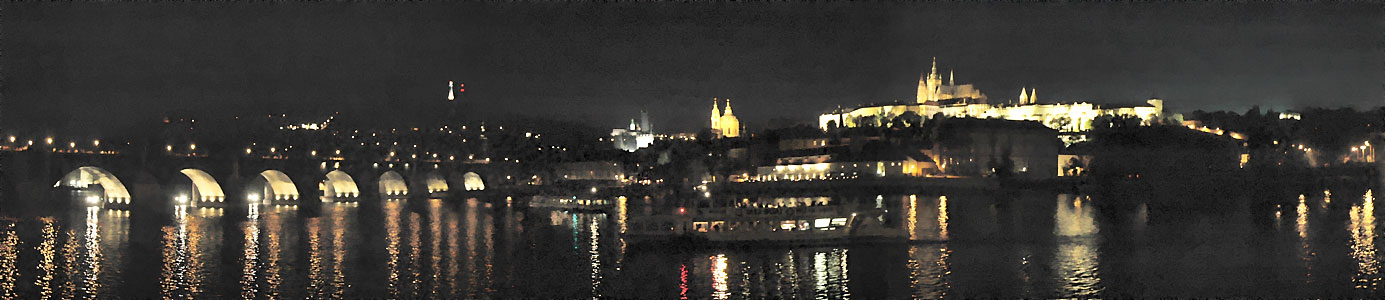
{"points": [[930, 85], [1024, 96], [450, 96], [716, 115]]}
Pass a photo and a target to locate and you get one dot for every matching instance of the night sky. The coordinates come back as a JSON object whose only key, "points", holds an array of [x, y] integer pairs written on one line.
{"points": [[104, 67]]}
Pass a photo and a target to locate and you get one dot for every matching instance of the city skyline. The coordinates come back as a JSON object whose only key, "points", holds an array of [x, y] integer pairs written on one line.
{"points": [[101, 66]]}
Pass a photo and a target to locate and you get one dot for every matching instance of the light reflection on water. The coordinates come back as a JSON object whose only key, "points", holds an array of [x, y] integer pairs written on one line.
{"points": [[1363, 241], [1036, 246]]}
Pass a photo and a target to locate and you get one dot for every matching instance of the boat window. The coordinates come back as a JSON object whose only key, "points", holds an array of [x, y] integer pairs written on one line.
{"points": [[787, 225], [700, 226], [839, 222], [822, 223]]}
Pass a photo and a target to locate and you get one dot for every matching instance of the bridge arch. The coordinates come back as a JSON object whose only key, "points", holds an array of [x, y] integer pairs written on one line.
{"points": [[204, 186], [113, 191], [435, 182], [393, 184], [472, 182], [277, 186], [339, 184]]}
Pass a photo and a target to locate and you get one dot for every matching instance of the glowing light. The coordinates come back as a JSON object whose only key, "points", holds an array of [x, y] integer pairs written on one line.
{"points": [[94, 143], [93, 200], [192, 146], [48, 140], [719, 277]]}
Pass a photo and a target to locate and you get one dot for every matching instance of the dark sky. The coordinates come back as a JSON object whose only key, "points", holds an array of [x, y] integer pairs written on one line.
{"points": [[107, 66]]}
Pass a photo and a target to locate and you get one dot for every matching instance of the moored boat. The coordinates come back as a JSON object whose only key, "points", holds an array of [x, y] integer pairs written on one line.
{"points": [[570, 203], [822, 224]]}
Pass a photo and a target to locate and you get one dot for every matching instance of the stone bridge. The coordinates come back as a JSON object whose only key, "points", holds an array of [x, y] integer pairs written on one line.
{"points": [[39, 179]]}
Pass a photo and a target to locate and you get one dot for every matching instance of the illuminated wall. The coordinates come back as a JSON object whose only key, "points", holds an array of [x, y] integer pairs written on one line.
{"points": [[844, 170]]}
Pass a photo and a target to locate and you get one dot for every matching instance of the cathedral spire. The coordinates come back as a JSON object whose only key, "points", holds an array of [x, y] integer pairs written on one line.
{"points": [[934, 71], [450, 96], [950, 78], [1033, 96], [728, 107]]}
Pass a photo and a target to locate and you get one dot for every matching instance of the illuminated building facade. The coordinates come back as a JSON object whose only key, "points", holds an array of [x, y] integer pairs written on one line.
{"points": [[829, 167], [634, 137], [725, 123], [964, 101]]}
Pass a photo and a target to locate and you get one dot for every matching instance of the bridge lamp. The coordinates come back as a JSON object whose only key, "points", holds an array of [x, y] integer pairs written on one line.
{"points": [[272, 149], [338, 152], [48, 140], [247, 150], [313, 153], [192, 147], [94, 143], [72, 144], [12, 139], [168, 148]]}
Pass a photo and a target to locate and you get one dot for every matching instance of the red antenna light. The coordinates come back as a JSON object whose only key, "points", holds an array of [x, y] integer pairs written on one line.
{"points": [[461, 87]]}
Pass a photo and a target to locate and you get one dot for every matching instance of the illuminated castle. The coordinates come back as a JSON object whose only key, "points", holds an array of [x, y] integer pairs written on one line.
{"points": [[931, 88], [636, 137], [962, 101], [725, 124]]}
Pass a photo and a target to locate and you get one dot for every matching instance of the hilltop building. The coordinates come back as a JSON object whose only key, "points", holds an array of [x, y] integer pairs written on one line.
{"points": [[725, 124], [965, 101], [634, 137]]}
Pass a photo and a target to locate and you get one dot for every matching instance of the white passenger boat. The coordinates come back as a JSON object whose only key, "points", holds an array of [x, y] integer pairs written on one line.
{"points": [[824, 224], [570, 203]]}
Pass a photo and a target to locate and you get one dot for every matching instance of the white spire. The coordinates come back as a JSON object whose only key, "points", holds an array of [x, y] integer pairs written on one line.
{"points": [[728, 107], [450, 96], [1033, 96], [1024, 95], [950, 80]]}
